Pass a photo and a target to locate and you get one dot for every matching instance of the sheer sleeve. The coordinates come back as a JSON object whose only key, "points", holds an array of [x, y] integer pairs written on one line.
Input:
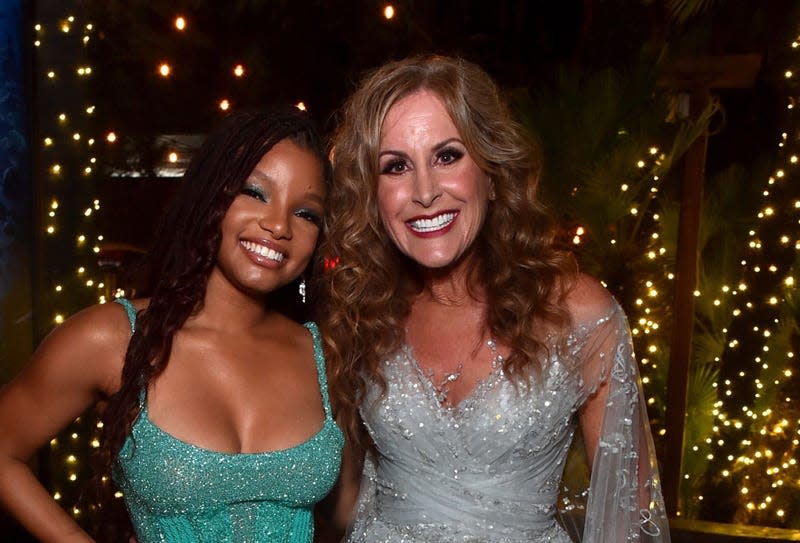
{"points": [[624, 500]]}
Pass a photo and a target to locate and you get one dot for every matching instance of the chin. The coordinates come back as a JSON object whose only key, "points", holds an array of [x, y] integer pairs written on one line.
{"points": [[435, 262], [443, 260]]}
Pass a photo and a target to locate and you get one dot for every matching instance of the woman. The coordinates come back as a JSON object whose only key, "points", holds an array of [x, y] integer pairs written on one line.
{"points": [[472, 343], [218, 425]]}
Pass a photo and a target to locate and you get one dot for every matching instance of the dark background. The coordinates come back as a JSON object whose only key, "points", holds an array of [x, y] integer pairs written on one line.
{"points": [[315, 51]]}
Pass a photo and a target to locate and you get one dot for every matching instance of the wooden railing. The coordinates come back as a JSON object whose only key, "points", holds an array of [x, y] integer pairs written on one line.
{"points": [[699, 531]]}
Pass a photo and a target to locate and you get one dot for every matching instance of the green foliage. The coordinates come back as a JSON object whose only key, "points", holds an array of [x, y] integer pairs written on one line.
{"points": [[597, 131], [701, 396], [791, 296], [594, 129], [608, 150], [725, 208], [773, 363]]}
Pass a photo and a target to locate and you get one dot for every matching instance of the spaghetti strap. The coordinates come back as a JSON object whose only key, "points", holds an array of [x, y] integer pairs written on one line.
{"points": [[130, 310], [319, 359]]}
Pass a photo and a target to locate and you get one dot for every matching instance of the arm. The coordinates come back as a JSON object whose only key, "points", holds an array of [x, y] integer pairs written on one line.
{"points": [[75, 365], [625, 502], [591, 421], [335, 513]]}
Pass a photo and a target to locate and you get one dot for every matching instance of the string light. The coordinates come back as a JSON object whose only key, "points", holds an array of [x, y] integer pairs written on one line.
{"points": [[653, 294], [756, 450], [68, 173]]}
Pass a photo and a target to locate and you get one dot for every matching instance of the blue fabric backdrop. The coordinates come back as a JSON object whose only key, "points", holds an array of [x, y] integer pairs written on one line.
{"points": [[15, 194]]}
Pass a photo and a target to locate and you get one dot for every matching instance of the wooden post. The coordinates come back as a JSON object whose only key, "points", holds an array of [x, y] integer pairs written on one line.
{"points": [[683, 308], [697, 76]]}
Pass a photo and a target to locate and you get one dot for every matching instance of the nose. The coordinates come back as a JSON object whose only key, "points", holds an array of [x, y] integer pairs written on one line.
{"points": [[426, 188], [277, 224]]}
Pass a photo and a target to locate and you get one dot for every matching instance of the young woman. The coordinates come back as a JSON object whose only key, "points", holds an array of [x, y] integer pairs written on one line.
{"points": [[473, 346], [218, 424]]}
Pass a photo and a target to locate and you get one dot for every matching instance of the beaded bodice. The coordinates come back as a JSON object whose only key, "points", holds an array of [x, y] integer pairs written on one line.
{"points": [[490, 468]]}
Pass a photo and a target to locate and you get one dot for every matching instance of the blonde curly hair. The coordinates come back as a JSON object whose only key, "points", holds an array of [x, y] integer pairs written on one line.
{"points": [[366, 295]]}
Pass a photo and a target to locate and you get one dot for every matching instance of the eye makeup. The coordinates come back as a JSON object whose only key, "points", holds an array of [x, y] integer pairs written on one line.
{"points": [[310, 215], [256, 191], [449, 155], [394, 166]]}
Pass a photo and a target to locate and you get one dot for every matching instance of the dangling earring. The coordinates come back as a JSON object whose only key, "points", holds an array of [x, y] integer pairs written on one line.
{"points": [[302, 289], [491, 191]]}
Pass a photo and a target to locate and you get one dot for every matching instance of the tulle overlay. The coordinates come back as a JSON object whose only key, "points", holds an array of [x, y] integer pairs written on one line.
{"points": [[491, 469]]}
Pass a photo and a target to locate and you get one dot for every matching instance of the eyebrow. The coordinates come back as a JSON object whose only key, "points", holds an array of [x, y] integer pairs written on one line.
{"points": [[317, 197], [436, 147], [259, 176]]}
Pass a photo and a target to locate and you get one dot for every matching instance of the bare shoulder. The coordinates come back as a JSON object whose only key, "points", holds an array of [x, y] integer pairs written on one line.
{"points": [[588, 299], [297, 335], [77, 364], [97, 326], [91, 343]]}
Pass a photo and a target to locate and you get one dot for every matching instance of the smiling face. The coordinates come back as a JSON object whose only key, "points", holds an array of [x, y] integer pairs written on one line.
{"points": [[432, 196], [270, 231]]}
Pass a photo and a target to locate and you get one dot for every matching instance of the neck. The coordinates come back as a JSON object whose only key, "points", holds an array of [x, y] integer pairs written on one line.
{"points": [[226, 307], [450, 285]]}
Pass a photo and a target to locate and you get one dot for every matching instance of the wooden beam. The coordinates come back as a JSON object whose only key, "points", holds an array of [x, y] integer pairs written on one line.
{"points": [[697, 76], [714, 72], [683, 307]]}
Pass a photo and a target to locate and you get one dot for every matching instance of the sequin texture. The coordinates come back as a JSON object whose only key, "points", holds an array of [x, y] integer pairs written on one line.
{"points": [[177, 492], [490, 468]]}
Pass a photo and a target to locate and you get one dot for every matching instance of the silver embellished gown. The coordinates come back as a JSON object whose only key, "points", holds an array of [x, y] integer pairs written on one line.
{"points": [[490, 469]]}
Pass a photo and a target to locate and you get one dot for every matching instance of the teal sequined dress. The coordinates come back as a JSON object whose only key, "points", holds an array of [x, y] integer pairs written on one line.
{"points": [[176, 492]]}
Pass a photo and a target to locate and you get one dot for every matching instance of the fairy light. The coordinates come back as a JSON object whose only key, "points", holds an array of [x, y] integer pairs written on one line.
{"points": [[651, 298], [68, 180], [756, 450]]}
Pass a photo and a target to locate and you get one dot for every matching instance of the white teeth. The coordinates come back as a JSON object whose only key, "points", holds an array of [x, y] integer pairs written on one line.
{"points": [[431, 225], [263, 251]]}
